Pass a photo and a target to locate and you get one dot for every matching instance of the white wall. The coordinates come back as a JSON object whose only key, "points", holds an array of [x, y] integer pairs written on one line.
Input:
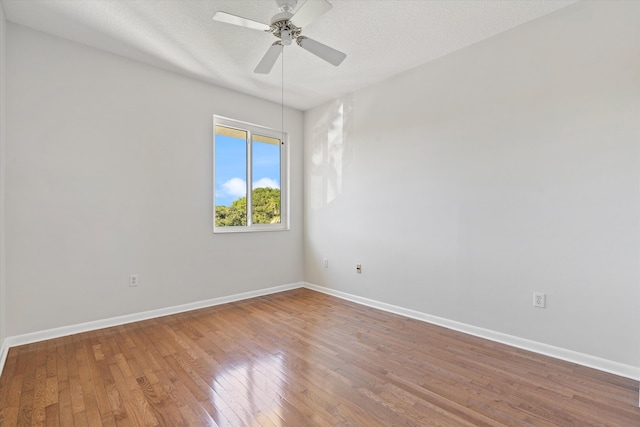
{"points": [[509, 167], [3, 25], [109, 172]]}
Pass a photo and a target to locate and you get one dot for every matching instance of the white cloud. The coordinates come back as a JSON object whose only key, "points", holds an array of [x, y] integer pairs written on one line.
{"points": [[236, 187], [265, 183]]}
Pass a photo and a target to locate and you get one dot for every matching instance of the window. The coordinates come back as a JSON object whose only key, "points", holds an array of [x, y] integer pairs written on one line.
{"points": [[249, 177]]}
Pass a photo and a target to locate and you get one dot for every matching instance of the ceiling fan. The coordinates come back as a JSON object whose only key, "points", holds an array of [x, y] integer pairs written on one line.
{"points": [[287, 27]]}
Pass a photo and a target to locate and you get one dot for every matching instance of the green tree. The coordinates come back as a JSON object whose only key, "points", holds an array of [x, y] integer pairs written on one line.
{"points": [[266, 206], [266, 209], [233, 215]]}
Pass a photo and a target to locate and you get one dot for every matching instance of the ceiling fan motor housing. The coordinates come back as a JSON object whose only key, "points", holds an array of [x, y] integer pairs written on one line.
{"points": [[283, 29]]}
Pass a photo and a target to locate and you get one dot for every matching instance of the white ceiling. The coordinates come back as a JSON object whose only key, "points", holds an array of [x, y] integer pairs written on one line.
{"points": [[380, 37]]}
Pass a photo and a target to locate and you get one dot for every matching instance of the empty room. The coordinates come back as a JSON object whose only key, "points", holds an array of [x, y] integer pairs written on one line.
{"points": [[319, 213]]}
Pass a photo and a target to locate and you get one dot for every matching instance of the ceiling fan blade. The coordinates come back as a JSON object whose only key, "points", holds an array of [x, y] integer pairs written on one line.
{"points": [[269, 58], [309, 12], [228, 18], [323, 51]]}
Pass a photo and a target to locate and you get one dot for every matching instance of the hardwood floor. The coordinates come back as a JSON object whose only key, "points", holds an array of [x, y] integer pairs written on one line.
{"points": [[300, 358]]}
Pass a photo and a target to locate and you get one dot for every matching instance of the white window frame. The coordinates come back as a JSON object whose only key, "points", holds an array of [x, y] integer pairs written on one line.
{"points": [[251, 128]]}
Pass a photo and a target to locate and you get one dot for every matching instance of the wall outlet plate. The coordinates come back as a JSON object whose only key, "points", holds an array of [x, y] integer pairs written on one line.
{"points": [[539, 300]]}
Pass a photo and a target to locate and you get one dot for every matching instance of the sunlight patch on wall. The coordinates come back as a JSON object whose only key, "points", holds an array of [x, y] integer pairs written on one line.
{"points": [[329, 149]]}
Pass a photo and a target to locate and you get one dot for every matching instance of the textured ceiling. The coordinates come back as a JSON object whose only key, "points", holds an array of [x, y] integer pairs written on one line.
{"points": [[380, 37]]}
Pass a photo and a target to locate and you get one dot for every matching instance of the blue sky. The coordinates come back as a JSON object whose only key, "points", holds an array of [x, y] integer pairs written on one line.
{"points": [[231, 169]]}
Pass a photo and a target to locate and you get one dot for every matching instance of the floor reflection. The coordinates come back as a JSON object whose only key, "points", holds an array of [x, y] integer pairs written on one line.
{"points": [[253, 388]]}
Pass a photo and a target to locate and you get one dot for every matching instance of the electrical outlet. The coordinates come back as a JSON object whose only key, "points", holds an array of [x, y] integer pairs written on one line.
{"points": [[358, 268], [539, 300], [326, 263], [133, 280]]}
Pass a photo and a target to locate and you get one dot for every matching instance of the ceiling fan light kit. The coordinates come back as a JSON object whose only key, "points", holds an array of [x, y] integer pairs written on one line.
{"points": [[287, 27]]}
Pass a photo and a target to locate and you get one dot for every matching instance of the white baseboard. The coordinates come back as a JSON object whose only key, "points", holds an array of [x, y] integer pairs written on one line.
{"points": [[4, 350], [605, 365], [583, 359], [48, 334]]}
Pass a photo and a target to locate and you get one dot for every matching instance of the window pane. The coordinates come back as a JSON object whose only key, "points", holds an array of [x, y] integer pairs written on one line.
{"points": [[230, 177], [265, 172], [249, 175]]}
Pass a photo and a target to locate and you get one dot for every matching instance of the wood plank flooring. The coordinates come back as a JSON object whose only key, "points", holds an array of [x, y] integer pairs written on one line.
{"points": [[300, 358]]}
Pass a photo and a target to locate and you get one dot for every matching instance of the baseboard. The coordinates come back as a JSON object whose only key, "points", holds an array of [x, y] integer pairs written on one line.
{"points": [[4, 350], [29, 338], [605, 365], [583, 359]]}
